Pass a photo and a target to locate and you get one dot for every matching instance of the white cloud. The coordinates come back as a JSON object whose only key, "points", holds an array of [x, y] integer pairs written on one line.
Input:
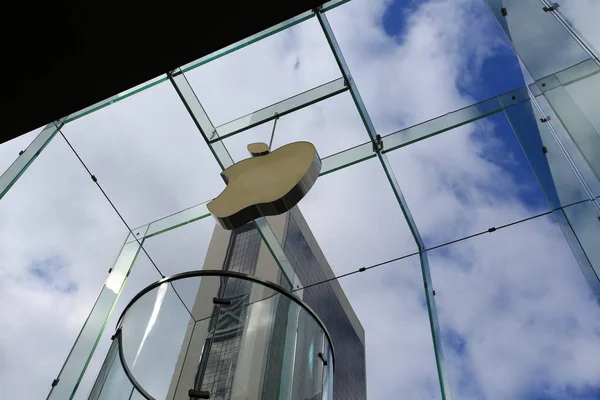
{"points": [[516, 297]]}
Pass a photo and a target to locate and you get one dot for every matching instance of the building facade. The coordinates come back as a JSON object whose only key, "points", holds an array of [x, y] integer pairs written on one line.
{"points": [[222, 370]]}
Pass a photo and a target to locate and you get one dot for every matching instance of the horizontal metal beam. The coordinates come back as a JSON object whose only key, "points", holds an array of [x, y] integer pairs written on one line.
{"points": [[279, 109], [424, 130]]}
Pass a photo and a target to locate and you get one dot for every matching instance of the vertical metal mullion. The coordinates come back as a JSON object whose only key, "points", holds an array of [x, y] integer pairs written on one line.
{"points": [[425, 271], [71, 373]]}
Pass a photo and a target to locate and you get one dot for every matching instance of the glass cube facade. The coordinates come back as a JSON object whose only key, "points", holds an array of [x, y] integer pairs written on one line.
{"points": [[458, 204]]}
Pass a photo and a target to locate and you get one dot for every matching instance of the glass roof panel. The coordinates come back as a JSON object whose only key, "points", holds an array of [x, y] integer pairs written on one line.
{"points": [[389, 302], [516, 315], [355, 218], [147, 155], [467, 180], [413, 61], [59, 237], [273, 69]]}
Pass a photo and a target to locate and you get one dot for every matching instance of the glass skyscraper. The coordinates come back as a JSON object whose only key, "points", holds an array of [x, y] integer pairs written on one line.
{"points": [[243, 246]]}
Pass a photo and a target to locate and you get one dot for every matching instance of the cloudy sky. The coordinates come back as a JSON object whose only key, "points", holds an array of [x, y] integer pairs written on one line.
{"points": [[517, 318]]}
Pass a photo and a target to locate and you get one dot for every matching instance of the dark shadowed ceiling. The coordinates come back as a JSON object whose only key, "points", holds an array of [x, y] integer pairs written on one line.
{"points": [[61, 56]]}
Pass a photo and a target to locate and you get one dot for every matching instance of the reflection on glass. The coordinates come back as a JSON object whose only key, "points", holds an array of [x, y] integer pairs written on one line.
{"points": [[552, 169], [234, 343], [580, 15], [575, 122], [543, 44], [578, 160]]}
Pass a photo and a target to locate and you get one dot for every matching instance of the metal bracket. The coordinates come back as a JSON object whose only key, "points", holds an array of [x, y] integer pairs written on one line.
{"points": [[545, 119], [503, 11], [219, 301], [544, 149], [378, 144], [322, 357], [198, 394], [117, 332], [553, 7], [94, 178], [21, 152], [55, 382]]}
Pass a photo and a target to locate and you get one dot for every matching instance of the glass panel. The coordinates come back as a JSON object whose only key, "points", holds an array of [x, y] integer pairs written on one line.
{"points": [[184, 248], [517, 318], [543, 44], [101, 380], [280, 66], [279, 109], [553, 171], [582, 132], [331, 125], [59, 237], [355, 220], [234, 348], [116, 386], [449, 56], [467, 180], [91, 333], [580, 15], [582, 165], [155, 328], [147, 154], [205, 245], [585, 95], [585, 221], [392, 321], [141, 275]]}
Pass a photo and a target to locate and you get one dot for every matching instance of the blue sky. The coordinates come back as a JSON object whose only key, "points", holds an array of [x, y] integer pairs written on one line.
{"points": [[504, 299]]}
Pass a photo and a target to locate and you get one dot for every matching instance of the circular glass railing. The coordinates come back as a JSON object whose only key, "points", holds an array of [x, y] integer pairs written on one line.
{"points": [[218, 335]]}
